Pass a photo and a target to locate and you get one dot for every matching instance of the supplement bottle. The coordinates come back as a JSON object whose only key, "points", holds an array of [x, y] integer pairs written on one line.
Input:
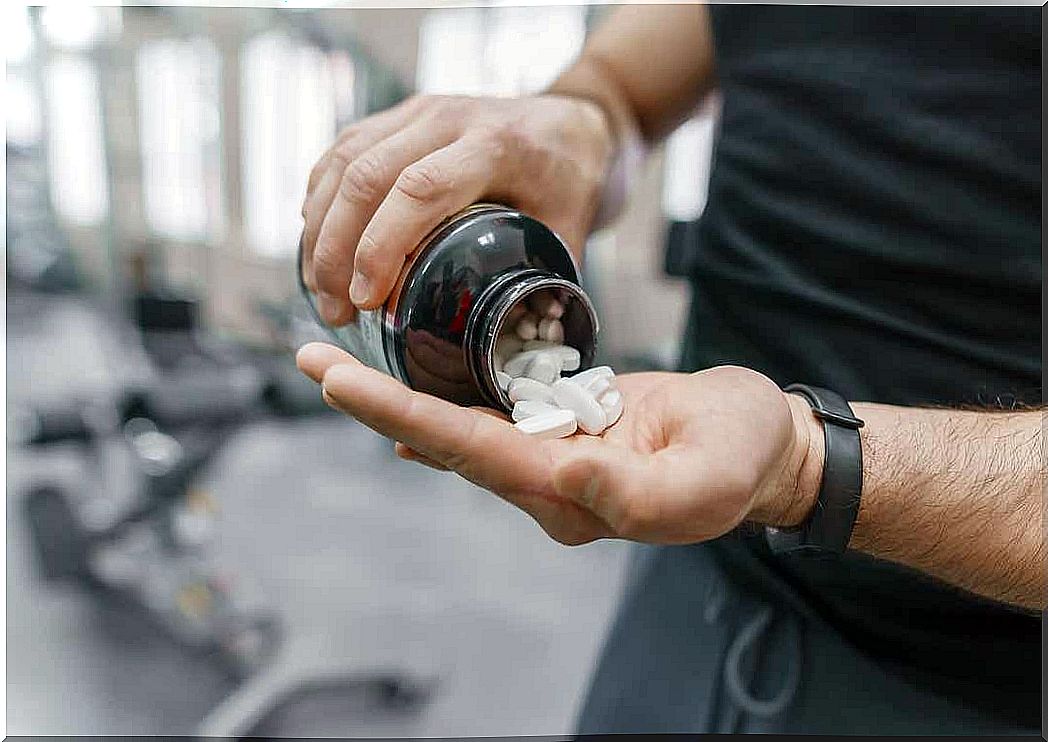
{"points": [[457, 293]]}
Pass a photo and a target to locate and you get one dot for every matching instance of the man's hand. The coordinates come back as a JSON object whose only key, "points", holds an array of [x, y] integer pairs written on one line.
{"points": [[391, 178], [692, 456]]}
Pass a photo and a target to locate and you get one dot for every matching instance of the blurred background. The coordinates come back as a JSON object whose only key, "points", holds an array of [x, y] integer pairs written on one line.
{"points": [[195, 543]]}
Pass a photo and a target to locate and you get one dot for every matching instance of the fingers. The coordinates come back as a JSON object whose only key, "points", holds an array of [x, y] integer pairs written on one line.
{"points": [[424, 194], [362, 186], [478, 443], [409, 454], [484, 448], [327, 173], [433, 427], [314, 359]]}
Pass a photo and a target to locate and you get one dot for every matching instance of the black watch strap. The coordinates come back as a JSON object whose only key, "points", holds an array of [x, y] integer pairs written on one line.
{"points": [[828, 529]]}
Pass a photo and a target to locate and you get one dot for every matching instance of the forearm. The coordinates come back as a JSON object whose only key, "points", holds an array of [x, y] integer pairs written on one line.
{"points": [[646, 66], [644, 69], [956, 494]]}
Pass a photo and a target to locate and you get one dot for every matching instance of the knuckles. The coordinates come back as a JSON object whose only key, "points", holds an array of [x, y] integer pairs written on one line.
{"points": [[362, 179], [328, 267], [423, 183]]}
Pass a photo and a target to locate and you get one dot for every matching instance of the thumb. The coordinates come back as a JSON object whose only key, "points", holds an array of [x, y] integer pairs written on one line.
{"points": [[619, 486]]}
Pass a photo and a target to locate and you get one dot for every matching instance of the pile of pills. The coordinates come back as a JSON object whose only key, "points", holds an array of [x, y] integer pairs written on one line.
{"points": [[530, 356]]}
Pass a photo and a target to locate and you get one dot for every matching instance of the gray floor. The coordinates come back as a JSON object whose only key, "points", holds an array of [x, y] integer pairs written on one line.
{"points": [[373, 563]]}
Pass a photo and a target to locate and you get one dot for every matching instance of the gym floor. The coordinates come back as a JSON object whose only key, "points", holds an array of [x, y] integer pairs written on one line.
{"points": [[372, 563]]}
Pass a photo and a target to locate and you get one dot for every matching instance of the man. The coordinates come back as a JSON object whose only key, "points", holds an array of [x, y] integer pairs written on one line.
{"points": [[872, 228]]}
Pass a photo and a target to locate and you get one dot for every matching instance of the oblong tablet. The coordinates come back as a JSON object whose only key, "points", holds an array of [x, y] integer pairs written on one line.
{"points": [[528, 327], [588, 412], [525, 389], [556, 424], [585, 378], [545, 368], [612, 403], [526, 408]]}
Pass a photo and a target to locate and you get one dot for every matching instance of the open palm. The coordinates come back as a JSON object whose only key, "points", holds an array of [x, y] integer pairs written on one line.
{"points": [[691, 457]]}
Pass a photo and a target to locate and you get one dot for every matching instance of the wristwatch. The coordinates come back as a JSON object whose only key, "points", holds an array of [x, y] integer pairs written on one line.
{"points": [[828, 528]]}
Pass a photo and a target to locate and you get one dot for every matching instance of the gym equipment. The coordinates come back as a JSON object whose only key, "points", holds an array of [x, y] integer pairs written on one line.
{"points": [[256, 707], [38, 253], [146, 550]]}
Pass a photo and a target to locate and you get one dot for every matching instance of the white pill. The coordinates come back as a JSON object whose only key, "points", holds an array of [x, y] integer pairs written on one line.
{"points": [[585, 378], [598, 385], [612, 404], [526, 408], [525, 389], [528, 327], [556, 424], [546, 303], [503, 379], [519, 362], [569, 357], [551, 329], [545, 368], [590, 415]]}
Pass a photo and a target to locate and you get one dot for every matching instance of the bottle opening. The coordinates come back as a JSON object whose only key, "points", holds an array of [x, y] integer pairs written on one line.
{"points": [[524, 293]]}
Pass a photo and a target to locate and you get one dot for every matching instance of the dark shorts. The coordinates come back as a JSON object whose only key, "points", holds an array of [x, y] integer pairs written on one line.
{"points": [[692, 652]]}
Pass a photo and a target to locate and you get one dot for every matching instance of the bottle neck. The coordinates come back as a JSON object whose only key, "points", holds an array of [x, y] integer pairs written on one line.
{"points": [[488, 321]]}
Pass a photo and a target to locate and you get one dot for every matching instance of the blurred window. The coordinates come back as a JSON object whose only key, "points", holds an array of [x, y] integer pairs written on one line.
{"points": [[288, 114], [18, 33], [498, 50], [72, 26], [23, 111], [343, 80], [76, 154], [179, 128], [686, 172], [451, 52]]}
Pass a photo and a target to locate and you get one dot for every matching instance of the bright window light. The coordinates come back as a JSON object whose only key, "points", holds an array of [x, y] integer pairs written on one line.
{"points": [[178, 109], [75, 143], [686, 173], [23, 112], [18, 33], [528, 47], [497, 50], [287, 121], [71, 25], [451, 52], [344, 79]]}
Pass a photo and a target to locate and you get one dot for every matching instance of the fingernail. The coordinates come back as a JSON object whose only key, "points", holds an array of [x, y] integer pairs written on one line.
{"points": [[329, 307], [358, 288], [328, 399]]}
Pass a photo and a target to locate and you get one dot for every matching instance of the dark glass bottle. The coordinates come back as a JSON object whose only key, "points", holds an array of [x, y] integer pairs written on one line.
{"points": [[437, 330]]}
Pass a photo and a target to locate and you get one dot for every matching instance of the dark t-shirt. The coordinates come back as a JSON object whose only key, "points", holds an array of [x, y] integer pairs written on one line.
{"points": [[873, 226]]}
